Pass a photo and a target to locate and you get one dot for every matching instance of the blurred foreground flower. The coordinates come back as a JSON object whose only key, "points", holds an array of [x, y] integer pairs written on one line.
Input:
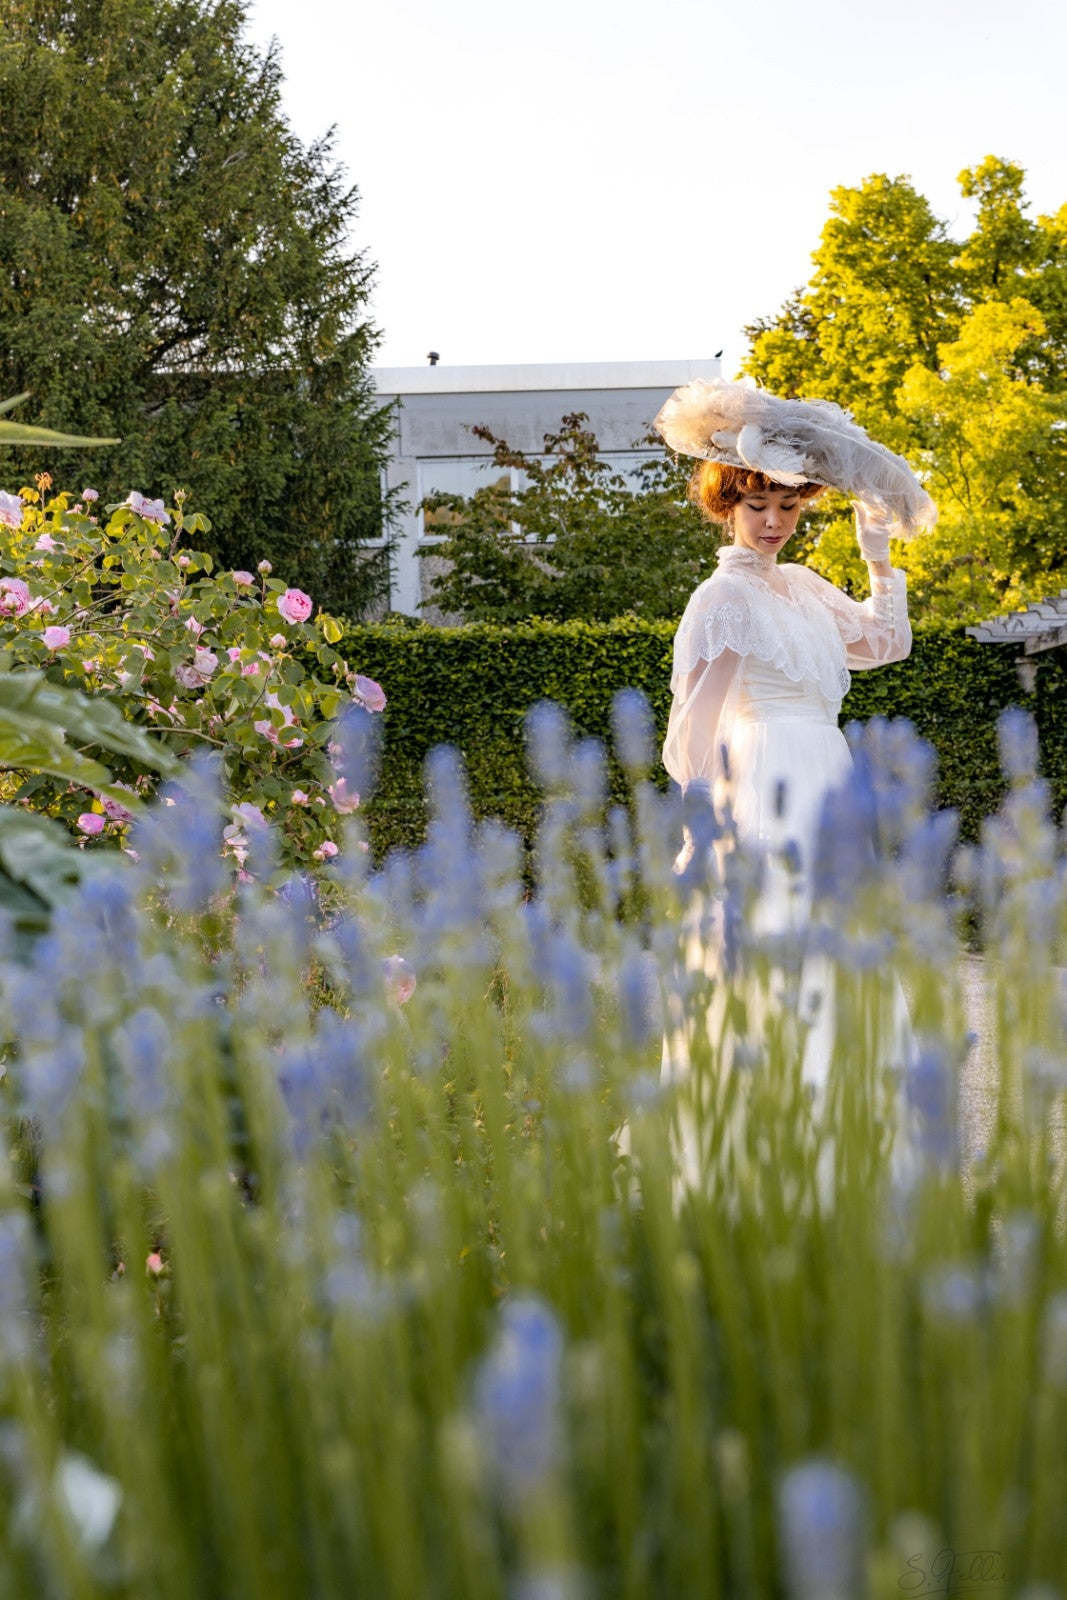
{"points": [[90, 1498], [400, 980], [821, 1533], [517, 1397]]}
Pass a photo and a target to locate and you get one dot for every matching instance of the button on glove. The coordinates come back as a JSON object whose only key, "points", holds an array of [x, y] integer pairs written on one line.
{"points": [[873, 528]]}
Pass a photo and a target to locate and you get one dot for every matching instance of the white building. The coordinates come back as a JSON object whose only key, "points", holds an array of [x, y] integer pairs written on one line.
{"points": [[434, 450]]}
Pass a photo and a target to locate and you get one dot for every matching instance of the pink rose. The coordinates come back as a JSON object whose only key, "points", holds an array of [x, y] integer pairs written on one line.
{"points": [[400, 980], [235, 843], [295, 606], [264, 567], [196, 674], [251, 669], [56, 638], [149, 510], [344, 799], [298, 798], [114, 810], [194, 627], [90, 494], [45, 542], [371, 694], [278, 641], [268, 731], [288, 716], [154, 1265], [243, 580], [234, 652], [250, 815], [184, 561], [10, 510], [14, 597], [91, 823], [326, 851]]}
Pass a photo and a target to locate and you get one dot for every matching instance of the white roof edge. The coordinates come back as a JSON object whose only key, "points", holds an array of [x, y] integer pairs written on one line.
{"points": [[545, 376]]}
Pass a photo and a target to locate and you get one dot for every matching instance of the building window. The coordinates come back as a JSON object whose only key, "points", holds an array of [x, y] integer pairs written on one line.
{"points": [[454, 475], [464, 475]]}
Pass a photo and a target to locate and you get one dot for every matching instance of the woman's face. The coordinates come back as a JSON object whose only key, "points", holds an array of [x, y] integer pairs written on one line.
{"points": [[765, 520]]}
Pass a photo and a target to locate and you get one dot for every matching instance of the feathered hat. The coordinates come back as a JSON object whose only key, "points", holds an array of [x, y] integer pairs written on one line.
{"points": [[792, 442]]}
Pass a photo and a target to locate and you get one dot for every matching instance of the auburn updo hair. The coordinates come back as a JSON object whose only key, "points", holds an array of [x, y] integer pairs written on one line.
{"points": [[715, 488]]}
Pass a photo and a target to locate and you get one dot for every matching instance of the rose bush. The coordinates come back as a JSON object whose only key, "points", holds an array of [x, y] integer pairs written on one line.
{"points": [[235, 663]]}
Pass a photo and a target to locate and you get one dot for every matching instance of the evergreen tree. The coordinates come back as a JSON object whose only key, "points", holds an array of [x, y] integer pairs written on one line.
{"points": [[175, 268]]}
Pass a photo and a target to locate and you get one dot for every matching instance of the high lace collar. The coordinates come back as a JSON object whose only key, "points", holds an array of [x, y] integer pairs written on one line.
{"points": [[740, 555]]}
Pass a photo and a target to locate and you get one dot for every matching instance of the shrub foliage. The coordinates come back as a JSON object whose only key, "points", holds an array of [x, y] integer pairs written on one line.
{"points": [[472, 687]]}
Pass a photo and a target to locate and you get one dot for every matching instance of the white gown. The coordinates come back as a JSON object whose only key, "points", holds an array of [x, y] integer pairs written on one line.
{"points": [[761, 666]]}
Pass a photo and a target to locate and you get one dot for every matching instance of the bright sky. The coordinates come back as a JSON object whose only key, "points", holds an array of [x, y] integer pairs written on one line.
{"points": [[583, 180]]}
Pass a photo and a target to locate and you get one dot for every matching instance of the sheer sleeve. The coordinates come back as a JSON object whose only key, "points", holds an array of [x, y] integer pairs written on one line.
{"points": [[720, 625], [875, 631], [693, 747]]}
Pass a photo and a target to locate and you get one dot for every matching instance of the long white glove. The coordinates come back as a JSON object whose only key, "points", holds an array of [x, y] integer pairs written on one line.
{"points": [[873, 528]]}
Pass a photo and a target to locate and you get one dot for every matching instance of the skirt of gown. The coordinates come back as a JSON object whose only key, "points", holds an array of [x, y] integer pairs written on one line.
{"points": [[785, 752]]}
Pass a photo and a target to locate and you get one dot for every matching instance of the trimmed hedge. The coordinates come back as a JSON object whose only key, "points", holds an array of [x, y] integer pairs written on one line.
{"points": [[472, 687]]}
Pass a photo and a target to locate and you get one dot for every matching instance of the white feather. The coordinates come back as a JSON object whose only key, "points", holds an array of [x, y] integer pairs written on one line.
{"points": [[792, 441]]}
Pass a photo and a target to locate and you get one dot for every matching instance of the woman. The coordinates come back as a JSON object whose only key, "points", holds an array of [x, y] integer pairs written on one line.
{"points": [[764, 650], [762, 659]]}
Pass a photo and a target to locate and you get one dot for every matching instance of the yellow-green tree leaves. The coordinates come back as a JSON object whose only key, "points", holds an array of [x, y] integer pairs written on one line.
{"points": [[954, 352]]}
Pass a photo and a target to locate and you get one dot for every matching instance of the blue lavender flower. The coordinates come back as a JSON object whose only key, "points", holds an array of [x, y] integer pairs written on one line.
{"points": [[589, 775], [1054, 1341], [324, 1081], [517, 1393], [16, 1276], [349, 1283], [143, 1046], [561, 964], [1016, 1248], [357, 739], [633, 732], [1017, 744], [179, 839], [108, 922], [844, 846], [548, 744], [954, 1292], [639, 998], [50, 1069], [927, 854], [930, 1090], [821, 1532], [702, 827], [450, 919], [549, 1583], [898, 767]]}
